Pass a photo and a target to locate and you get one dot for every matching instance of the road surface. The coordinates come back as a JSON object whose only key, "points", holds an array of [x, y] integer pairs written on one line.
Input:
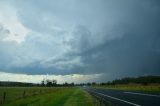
{"points": [[125, 98]]}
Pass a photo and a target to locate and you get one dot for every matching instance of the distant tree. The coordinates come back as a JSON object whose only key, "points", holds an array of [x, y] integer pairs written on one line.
{"points": [[72, 84], [145, 80], [43, 82], [81, 84], [65, 84], [88, 84], [102, 83], [54, 82], [48, 82], [93, 83]]}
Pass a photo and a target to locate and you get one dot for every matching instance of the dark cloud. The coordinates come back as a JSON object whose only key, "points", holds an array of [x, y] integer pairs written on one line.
{"points": [[115, 38], [136, 52]]}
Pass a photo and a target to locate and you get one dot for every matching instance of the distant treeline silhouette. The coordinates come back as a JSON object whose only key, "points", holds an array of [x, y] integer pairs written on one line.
{"points": [[44, 83], [53, 83], [137, 80], [18, 84]]}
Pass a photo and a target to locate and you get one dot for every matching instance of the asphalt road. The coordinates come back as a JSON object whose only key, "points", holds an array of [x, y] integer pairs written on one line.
{"points": [[125, 98]]}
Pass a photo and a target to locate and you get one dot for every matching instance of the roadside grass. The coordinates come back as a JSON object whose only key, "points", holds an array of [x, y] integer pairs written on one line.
{"points": [[80, 98], [14, 93], [151, 88], [70, 96]]}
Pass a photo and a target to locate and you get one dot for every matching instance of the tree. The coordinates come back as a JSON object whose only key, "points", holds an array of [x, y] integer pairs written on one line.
{"points": [[43, 82], [93, 83], [48, 82], [72, 84], [54, 82]]}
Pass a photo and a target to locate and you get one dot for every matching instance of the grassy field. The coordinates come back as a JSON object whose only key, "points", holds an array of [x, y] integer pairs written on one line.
{"points": [[39, 96], [152, 88]]}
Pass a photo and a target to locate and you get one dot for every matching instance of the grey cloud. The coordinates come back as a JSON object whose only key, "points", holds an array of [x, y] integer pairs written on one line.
{"points": [[80, 41], [134, 52], [116, 38], [3, 32]]}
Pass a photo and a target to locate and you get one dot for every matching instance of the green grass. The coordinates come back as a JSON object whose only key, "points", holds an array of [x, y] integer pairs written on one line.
{"points": [[80, 98], [47, 97], [135, 87]]}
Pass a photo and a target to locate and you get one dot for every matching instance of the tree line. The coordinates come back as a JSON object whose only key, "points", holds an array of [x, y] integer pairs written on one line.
{"points": [[18, 84], [53, 83], [144, 80]]}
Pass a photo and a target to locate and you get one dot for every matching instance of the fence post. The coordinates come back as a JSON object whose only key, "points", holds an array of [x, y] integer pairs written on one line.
{"points": [[4, 96], [24, 93]]}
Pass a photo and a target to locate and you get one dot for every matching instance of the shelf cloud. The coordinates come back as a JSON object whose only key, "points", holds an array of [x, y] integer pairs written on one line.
{"points": [[84, 37]]}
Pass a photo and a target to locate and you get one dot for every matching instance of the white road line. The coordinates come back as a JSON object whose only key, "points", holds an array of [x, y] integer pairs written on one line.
{"points": [[142, 94], [117, 99]]}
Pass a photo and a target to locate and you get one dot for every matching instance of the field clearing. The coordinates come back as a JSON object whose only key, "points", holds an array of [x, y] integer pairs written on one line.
{"points": [[152, 88], [45, 96]]}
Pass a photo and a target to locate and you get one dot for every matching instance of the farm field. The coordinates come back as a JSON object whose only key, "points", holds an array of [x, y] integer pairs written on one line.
{"points": [[44, 96], [152, 88]]}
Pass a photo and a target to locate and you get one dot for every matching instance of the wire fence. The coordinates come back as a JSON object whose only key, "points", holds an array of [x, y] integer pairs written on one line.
{"points": [[100, 101], [7, 97]]}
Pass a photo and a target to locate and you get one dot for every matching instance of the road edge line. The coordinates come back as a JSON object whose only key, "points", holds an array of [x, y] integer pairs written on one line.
{"points": [[135, 93], [116, 99]]}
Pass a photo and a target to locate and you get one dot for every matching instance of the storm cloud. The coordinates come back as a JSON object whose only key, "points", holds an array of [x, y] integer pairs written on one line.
{"points": [[110, 37]]}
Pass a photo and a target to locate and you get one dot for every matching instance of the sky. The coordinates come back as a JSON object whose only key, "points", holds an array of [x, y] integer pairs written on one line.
{"points": [[78, 40]]}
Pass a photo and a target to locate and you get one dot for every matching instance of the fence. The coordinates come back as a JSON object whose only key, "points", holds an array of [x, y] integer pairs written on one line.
{"points": [[100, 101], [7, 96]]}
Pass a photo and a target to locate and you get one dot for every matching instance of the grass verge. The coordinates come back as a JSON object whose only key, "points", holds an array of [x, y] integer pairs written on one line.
{"points": [[80, 98], [50, 97]]}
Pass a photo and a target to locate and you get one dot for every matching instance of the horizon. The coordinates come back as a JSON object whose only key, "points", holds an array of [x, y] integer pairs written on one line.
{"points": [[86, 83], [78, 41]]}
